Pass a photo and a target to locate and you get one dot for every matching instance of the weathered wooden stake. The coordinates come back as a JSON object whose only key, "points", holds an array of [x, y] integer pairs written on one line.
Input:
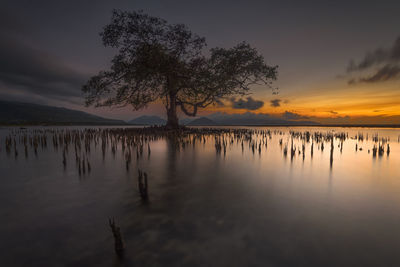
{"points": [[118, 242]]}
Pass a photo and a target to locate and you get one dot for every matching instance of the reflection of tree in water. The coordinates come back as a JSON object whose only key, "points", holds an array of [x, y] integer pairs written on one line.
{"points": [[173, 145]]}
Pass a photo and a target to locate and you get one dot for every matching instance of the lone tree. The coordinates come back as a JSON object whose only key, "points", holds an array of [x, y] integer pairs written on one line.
{"points": [[160, 61]]}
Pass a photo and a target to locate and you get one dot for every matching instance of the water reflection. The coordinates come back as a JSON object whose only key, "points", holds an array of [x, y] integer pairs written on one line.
{"points": [[211, 196]]}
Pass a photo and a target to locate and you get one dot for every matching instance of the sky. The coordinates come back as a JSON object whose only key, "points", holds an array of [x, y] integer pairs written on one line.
{"points": [[339, 61]]}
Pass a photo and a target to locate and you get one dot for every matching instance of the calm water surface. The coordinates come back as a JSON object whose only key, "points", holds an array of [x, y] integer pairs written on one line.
{"points": [[205, 208]]}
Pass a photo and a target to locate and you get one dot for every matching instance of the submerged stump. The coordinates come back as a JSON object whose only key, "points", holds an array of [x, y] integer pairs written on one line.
{"points": [[143, 185], [118, 242]]}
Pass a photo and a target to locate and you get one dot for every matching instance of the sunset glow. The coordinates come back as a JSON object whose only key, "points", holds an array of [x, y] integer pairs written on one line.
{"points": [[325, 72], [199, 133]]}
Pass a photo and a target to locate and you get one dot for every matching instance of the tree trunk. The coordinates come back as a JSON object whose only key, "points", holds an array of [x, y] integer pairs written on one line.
{"points": [[173, 122]]}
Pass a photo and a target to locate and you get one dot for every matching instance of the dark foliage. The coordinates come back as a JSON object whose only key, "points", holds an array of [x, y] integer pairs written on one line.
{"points": [[161, 61]]}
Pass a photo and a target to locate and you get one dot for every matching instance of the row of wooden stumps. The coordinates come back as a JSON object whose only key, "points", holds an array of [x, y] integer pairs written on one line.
{"points": [[116, 230]]}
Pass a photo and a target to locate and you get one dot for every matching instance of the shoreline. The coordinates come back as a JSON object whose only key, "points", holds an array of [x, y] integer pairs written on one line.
{"points": [[394, 126]]}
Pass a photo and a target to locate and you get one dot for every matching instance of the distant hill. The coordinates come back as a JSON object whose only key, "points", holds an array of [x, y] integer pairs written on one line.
{"points": [[203, 121], [253, 119], [33, 114], [185, 121], [244, 119], [148, 120]]}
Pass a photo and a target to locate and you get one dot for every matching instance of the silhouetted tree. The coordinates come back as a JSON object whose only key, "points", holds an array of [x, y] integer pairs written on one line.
{"points": [[161, 61]]}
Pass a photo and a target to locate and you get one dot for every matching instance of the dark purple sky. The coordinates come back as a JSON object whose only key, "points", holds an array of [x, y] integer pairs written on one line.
{"points": [[49, 48]]}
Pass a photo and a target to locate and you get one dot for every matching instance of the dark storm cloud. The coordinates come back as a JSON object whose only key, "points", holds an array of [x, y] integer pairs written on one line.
{"points": [[28, 71], [380, 55], [386, 62], [249, 104], [370, 59], [37, 72], [275, 103], [385, 73]]}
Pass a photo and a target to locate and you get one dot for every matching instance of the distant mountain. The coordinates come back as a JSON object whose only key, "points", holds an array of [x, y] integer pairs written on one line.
{"points": [[253, 119], [219, 118], [185, 121], [246, 119], [26, 113], [203, 121], [148, 120]]}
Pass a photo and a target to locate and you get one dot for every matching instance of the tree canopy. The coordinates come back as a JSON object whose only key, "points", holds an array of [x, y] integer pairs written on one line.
{"points": [[160, 61]]}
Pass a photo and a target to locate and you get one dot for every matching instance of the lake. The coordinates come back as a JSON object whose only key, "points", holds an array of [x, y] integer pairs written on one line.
{"points": [[252, 196]]}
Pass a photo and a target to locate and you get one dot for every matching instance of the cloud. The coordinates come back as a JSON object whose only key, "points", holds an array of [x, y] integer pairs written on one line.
{"points": [[370, 59], [219, 103], [275, 103], [333, 112], [26, 70], [36, 71], [249, 104], [385, 63], [288, 115], [387, 72], [351, 81], [378, 56]]}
